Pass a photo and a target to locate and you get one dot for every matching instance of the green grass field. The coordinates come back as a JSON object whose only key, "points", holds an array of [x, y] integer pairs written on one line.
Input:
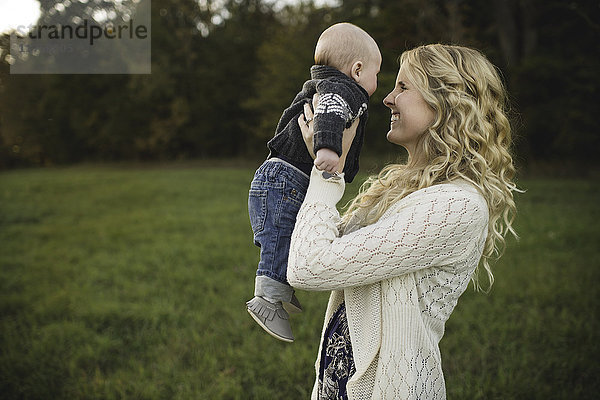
{"points": [[130, 283]]}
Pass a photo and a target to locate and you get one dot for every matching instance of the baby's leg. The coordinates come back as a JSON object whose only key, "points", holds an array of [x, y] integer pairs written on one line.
{"points": [[276, 195]]}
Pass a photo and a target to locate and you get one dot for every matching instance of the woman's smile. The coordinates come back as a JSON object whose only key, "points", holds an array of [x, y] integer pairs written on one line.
{"points": [[411, 115]]}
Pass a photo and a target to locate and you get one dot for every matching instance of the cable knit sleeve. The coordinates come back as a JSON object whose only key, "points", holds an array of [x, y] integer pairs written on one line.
{"points": [[432, 227]]}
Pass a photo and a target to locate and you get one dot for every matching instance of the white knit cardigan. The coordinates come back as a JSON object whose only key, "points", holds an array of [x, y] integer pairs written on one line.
{"points": [[400, 278]]}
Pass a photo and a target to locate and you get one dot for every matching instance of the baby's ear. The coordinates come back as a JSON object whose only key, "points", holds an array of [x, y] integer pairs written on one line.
{"points": [[357, 68]]}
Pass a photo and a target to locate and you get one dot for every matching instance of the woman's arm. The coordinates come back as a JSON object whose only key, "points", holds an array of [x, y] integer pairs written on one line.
{"points": [[435, 226]]}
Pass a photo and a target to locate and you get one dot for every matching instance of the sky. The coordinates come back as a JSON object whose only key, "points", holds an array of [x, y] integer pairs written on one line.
{"points": [[14, 13]]}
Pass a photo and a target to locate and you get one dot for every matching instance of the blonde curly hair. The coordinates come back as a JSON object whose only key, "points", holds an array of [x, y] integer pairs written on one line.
{"points": [[469, 139]]}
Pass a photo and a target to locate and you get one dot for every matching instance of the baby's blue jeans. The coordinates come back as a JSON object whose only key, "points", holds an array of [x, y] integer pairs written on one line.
{"points": [[276, 194]]}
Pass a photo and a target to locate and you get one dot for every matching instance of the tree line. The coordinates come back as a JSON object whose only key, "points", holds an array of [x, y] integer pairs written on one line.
{"points": [[222, 72]]}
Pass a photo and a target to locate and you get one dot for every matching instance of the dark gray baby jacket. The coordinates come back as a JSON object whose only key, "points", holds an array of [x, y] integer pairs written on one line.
{"points": [[341, 102]]}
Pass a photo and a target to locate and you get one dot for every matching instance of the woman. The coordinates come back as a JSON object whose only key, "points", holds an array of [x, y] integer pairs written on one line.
{"points": [[409, 243]]}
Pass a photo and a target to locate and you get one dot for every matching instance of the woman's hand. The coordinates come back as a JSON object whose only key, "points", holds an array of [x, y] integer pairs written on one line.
{"points": [[306, 123]]}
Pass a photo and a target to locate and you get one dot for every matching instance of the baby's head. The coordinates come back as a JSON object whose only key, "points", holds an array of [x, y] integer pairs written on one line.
{"points": [[352, 51]]}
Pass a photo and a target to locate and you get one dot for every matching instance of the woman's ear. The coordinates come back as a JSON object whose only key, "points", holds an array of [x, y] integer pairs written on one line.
{"points": [[356, 70]]}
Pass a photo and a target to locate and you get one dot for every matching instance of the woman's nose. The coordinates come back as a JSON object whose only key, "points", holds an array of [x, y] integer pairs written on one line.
{"points": [[388, 100]]}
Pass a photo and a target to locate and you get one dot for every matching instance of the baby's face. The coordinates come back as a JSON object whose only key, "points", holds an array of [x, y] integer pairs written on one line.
{"points": [[367, 78]]}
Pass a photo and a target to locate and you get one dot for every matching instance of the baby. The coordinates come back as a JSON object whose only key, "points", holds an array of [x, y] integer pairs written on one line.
{"points": [[345, 76]]}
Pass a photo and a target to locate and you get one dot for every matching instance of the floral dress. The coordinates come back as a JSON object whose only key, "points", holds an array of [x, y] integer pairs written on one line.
{"points": [[337, 362]]}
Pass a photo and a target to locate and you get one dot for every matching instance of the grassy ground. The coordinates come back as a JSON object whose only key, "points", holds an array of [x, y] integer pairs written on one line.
{"points": [[130, 283]]}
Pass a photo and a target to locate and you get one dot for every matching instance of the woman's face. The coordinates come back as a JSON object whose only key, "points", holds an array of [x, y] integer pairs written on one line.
{"points": [[411, 115]]}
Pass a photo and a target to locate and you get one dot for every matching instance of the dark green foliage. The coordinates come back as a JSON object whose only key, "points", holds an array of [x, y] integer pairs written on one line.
{"points": [[223, 71]]}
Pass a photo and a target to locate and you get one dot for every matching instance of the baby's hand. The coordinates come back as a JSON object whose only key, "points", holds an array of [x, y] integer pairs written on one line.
{"points": [[327, 160]]}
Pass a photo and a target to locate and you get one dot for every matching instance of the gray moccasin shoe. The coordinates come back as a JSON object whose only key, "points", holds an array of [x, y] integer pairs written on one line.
{"points": [[272, 317]]}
